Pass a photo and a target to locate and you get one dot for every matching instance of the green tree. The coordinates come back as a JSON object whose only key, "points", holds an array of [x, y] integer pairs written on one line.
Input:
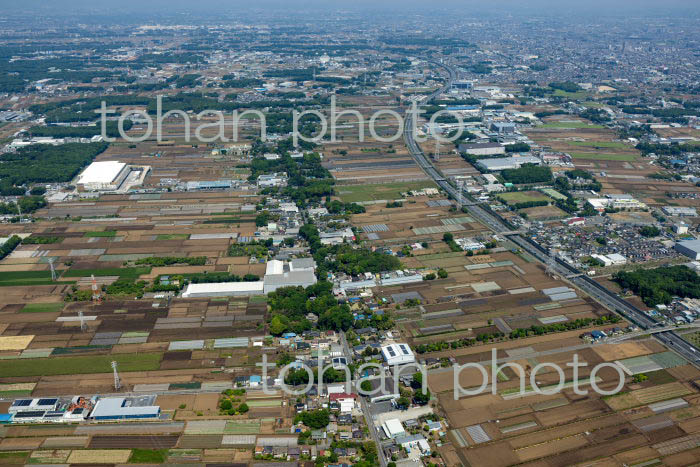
{"points": [[277, 326]]}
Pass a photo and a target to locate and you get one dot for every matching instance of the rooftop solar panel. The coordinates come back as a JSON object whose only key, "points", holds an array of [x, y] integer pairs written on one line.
{"points": [[29, 414]]}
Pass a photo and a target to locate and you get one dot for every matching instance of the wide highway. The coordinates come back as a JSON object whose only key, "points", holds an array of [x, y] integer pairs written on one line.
{"points": [[496, 223]]}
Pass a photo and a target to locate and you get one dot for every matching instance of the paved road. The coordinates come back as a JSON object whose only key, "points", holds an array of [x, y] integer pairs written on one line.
{"points": [[496, 223], [365, 409]]}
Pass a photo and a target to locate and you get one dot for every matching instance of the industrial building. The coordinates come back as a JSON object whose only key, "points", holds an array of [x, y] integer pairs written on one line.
{"points": [[398, 354], [271, 180], [24, 405], [506, 128], [612, 259], [209, 185], [304, 278], [462, 84], [123, 408], [680, 211], [103, 176], [689, 248], [297, 272], [224, 289], [482, 149], [503, 163]]}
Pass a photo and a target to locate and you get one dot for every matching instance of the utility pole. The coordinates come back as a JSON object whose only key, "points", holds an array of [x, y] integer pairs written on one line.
{"points": [[460, 192], [551, 263], [53, 268], [96, 297], [83, 325], [117, 382]]}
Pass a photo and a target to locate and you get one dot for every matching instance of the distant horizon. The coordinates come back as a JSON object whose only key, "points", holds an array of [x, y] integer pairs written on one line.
{"points": [[465, 8]]}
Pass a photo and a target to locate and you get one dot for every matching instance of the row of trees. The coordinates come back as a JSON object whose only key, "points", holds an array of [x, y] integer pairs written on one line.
{"points": [[159, 261]]}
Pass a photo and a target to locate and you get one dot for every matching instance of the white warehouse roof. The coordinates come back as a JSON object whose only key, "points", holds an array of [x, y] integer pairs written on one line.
{"points": [[222, 289], [101, 172], [398, 354], [274, 267]]}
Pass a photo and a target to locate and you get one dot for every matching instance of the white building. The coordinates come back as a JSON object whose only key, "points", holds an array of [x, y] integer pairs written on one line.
{"points": [[398, 354], [224, 289], [616, 202], [346, 401], [274, 267], [617, 259], [415, 445], [270, 180], [393, 428], [680, 228], [105, 175]]}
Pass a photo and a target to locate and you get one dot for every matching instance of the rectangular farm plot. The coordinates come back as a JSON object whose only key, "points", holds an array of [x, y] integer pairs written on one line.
{"points": [[649, 363], [438, 229], [100, 456], [15, 342], [485, 287], [647, 396]]}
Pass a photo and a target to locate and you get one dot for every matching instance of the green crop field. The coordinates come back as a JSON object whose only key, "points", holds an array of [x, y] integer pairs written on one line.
{"points": [[389, 191], [79, 364], [101, 233], [148, 456], [172, 236], [571, 125], [571, 95], [603, 157], [15, 278], [42, 307]]}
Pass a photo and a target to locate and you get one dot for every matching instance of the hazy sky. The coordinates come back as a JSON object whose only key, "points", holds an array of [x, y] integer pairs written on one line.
{"points": [[545, 7]]}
